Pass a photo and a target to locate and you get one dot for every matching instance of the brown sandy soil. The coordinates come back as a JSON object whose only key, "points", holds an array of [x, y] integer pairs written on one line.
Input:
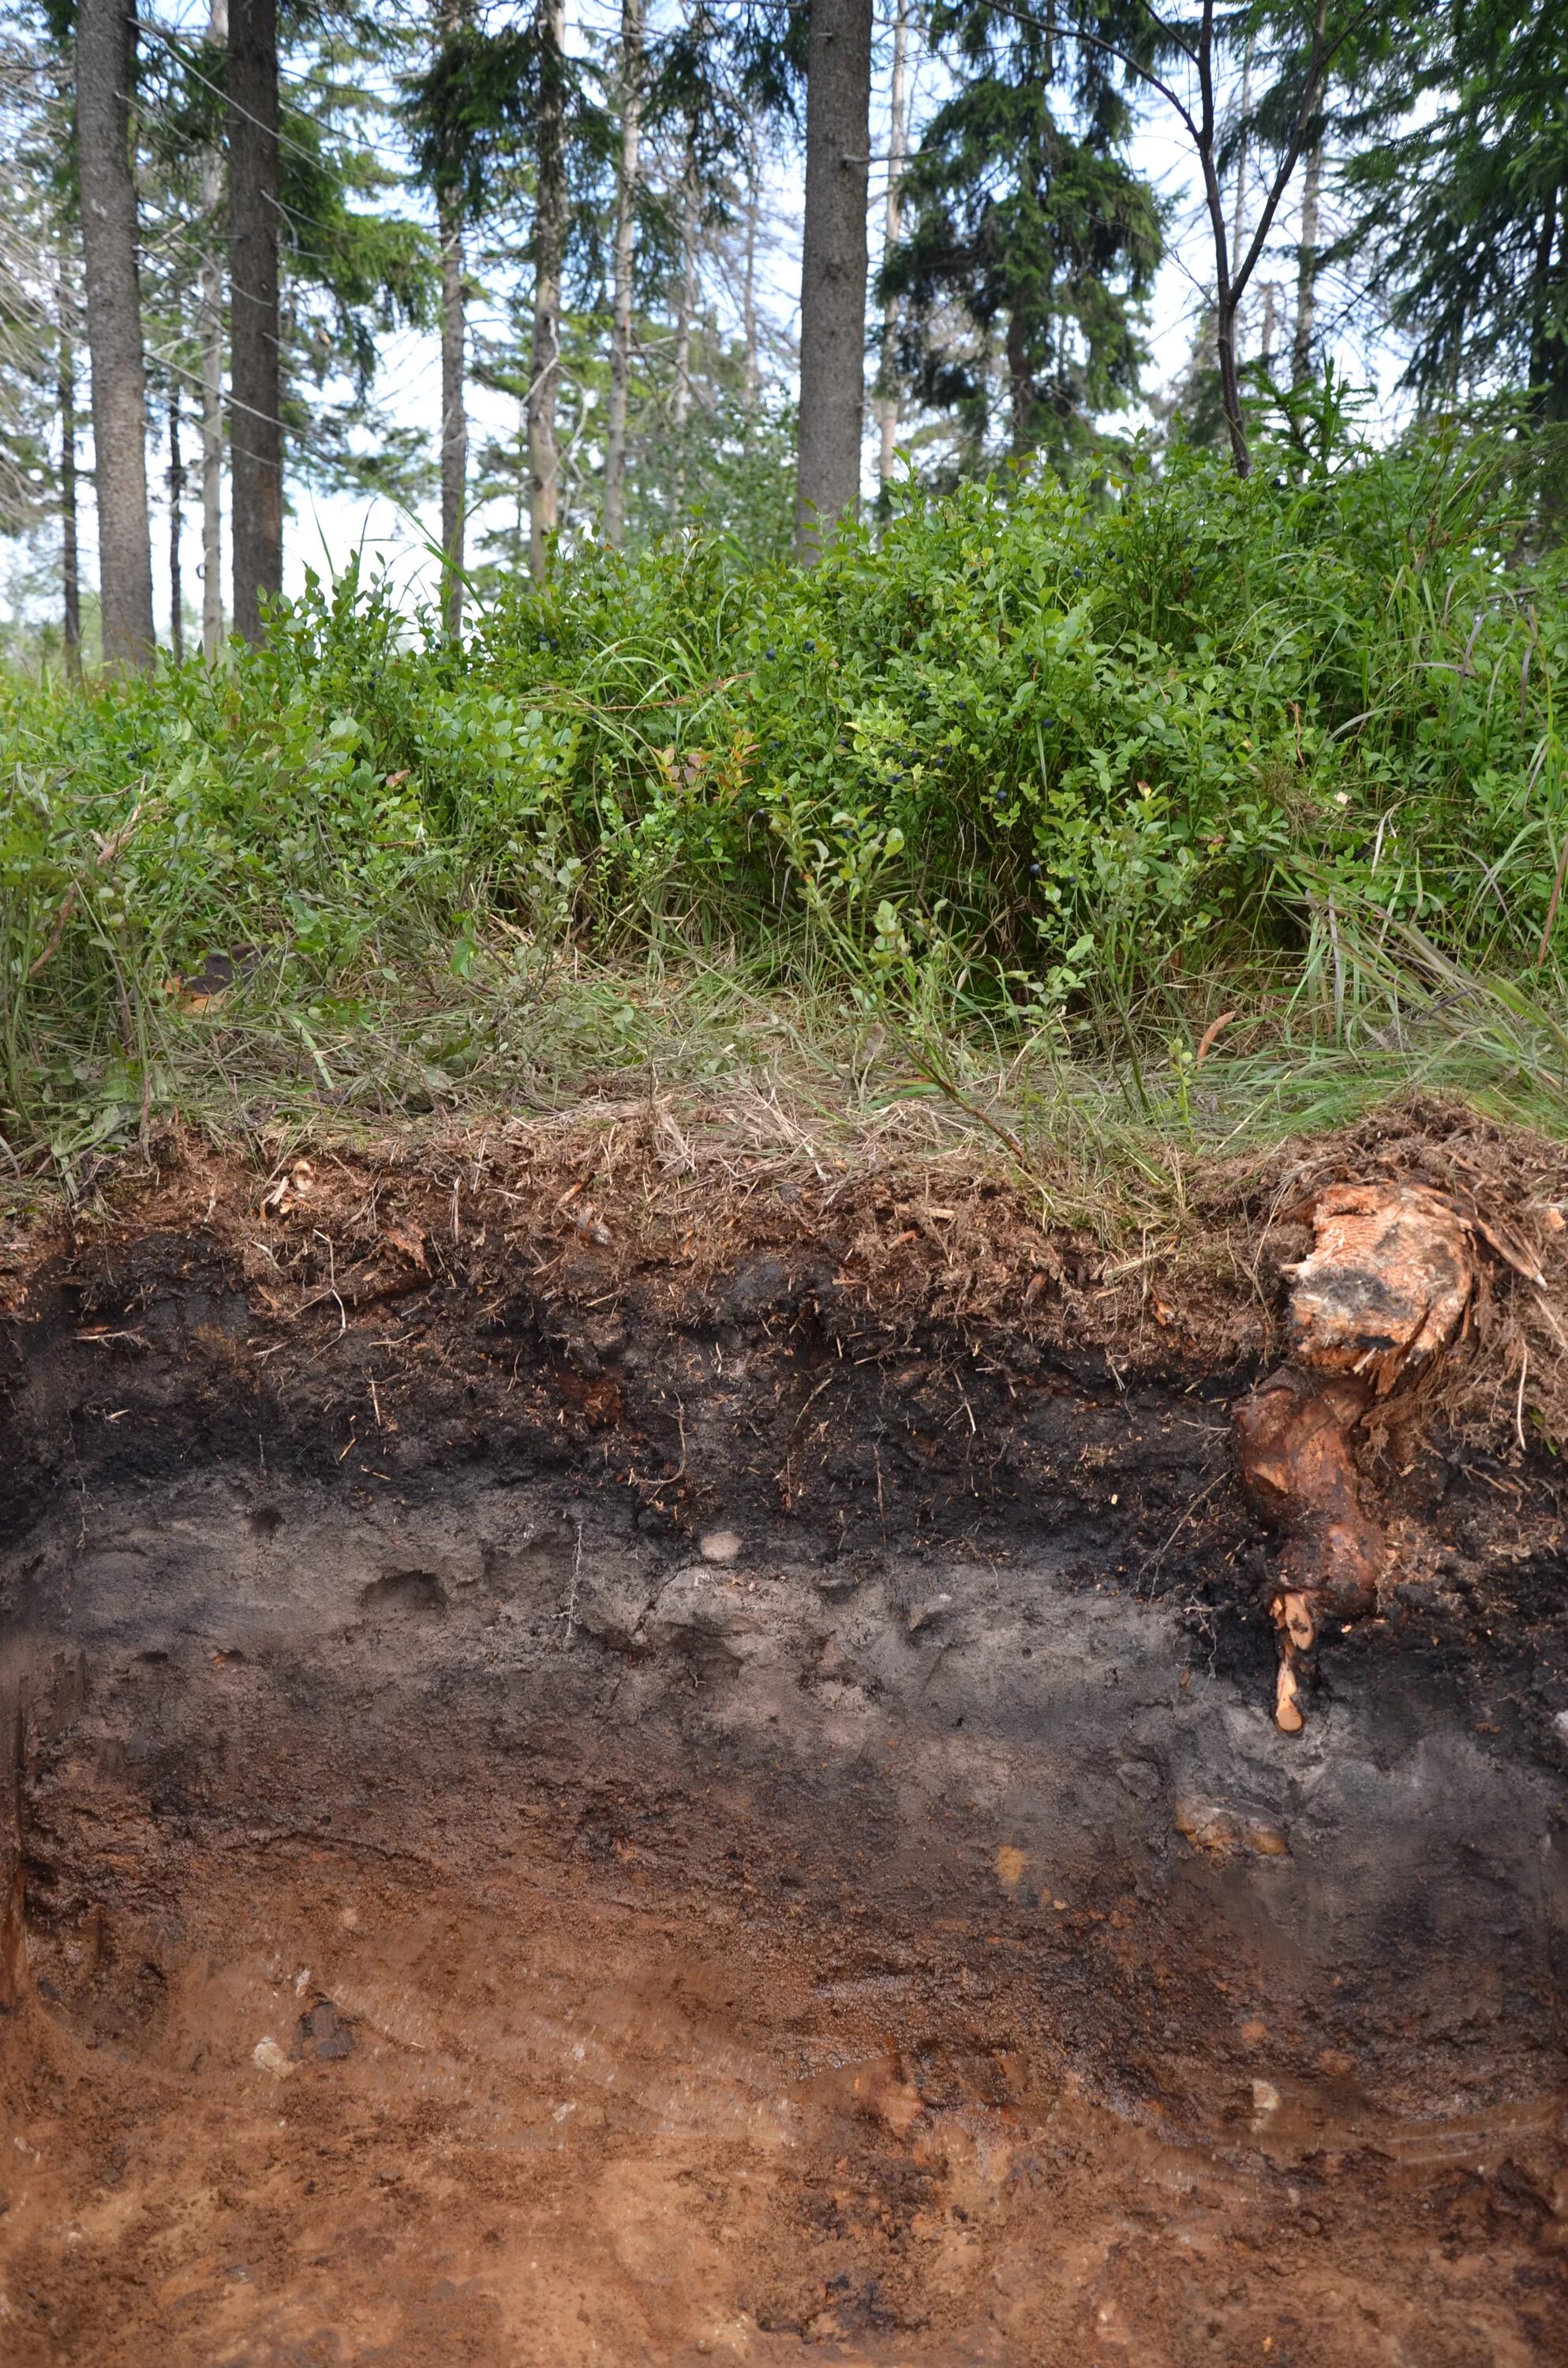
{"points": [[620, 1756], [576, 2122]]}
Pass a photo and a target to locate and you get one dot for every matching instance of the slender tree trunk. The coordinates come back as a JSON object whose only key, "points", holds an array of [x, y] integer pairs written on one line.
{"points": [[1233, 271], [1546, 373], [630, 79], [255, 391], [69, 562], [211, 312], [751, 378], [887, 375], [1307, 268], [104, 48], [520, 479], [1270, 298], [1238, 217], [549, 250], [211, 417], [833, 271], [1307, 254], [450, 17], [1020, 384], [685, 307], [1456, 359], [685, 302], [454, 416], [1230, 382], [176, 518]]}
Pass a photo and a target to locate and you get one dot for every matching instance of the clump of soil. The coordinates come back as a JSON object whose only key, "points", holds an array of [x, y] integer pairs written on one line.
{"points": [[624, 1757]]}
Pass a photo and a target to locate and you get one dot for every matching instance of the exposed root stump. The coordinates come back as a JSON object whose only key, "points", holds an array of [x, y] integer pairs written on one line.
{"points": [[1392, 1282]]}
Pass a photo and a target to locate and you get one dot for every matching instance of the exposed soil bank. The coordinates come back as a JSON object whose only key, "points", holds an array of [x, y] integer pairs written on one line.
{"points": [[585, 1797]]}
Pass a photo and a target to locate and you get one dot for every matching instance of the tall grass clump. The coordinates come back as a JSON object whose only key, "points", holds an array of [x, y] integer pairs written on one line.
{"points": [[1082, 768]]}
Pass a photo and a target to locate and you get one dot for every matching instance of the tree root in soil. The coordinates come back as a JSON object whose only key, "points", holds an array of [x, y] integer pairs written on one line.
{"points": [[1391, 1284]]}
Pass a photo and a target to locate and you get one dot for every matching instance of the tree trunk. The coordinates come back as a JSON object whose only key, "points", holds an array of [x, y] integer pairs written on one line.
{"points": [[625, 240], [685, 307], [751, 378], [177, 512], [211, 183], [887, 375], [255, 378], [1307, 269], [1020, 385], [685, 302], [1307, 254], [454, 417], [104, 43], [69, 562], [549, 250], [833, 271], [211, 417], [1230, 382], [1238, 216], [450, 17], [1549, 380]]}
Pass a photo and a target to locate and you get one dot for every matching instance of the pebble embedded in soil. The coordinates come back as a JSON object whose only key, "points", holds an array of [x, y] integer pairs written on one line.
{"points": [[720, 1545]]}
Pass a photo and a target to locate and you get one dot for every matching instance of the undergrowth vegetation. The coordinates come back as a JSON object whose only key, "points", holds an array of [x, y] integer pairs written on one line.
{"points": [[1015, 808]]}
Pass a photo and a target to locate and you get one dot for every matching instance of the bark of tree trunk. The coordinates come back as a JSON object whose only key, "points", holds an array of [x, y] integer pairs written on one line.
{"points": [[631, 94], [210, 285], [1547, 375], [256, 432], [751, 379], [685, 302], [104, 43], [887, 375], [70, 561], [550, 248], [212, 418], [177, 513], [1307, 254], [832, 272], [1307, 268], [450, 17], [1230, 382], [1020, 387], [454, 417], [1238, 216], [686, 306]]}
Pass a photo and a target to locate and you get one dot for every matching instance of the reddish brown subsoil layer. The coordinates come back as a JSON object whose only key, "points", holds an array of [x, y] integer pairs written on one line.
{"points": [[451, 1919], [546, 2117]]}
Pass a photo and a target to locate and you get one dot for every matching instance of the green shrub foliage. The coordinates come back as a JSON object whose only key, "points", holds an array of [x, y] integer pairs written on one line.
{"points": [[1053, 744]]}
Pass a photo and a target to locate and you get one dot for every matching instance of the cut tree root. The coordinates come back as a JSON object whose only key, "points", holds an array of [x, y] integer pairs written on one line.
{"points": [[1392, 1282], [1298, 1460]]}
